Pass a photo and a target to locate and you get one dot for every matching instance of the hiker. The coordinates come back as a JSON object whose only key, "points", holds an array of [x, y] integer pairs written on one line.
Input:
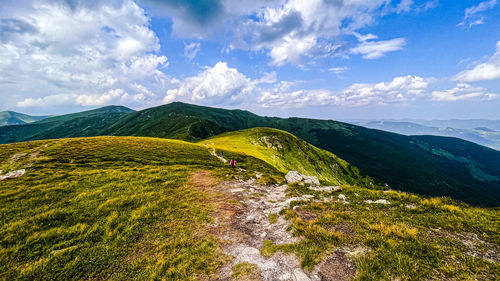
{"points": [[222, 154], [233, 163]]}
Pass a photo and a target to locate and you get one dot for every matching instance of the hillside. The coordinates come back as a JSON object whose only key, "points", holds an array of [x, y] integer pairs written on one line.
{"points": [[480, 135], [408, 163], [128, 208], [15, 118], [438, 166], [286, 152], [82, 124]]}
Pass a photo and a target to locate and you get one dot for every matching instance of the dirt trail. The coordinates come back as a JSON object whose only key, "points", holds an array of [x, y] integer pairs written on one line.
{"points": [[214, 153], [242, 222]]}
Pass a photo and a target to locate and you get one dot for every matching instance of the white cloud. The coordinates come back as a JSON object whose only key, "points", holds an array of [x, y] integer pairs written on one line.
{"points": [[56, 49], [219, 85], [191, 50], [399, 90], [463, 91], [289, 31], [488, 70], [338, 70], [473, 14], [377, 49], [113, 96], [366, 37], [404, 6]]}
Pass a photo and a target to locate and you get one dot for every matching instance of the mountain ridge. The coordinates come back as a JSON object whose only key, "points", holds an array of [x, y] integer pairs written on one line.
{"points": [[15, 118], [433, 166]]}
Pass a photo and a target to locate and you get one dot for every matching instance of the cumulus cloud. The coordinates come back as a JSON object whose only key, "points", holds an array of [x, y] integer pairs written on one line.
{"points": [[113, 96], [399, 90], [473, 15], [51, 48], [220, 84], [289, 31], [377, 49], [488, 70], [463, 91], [191, 50]]}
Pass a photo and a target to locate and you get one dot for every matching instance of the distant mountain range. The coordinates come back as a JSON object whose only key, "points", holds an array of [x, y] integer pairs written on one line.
{"points": [[483, 132], [15, 118], [431, 165]]}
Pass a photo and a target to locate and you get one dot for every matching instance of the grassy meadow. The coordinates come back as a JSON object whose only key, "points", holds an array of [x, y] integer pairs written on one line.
{"points": [[127, 208], [109, 208], [411, 238]]}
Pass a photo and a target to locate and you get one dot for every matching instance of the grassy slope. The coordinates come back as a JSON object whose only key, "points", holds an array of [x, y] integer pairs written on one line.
{"points": [[15, 118], [432, 166], [286, 152], [124, 208], [437, 166], [109, 208], [411, 238], [82, 124]]}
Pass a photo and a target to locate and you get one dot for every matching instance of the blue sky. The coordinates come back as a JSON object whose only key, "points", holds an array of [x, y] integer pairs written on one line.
{"points": [[330, 59]]}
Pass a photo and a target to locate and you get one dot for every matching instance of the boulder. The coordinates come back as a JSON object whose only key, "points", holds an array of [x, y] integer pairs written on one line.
{"points": [[293, 176], [379, 201], [312, 180], [13, 174]]}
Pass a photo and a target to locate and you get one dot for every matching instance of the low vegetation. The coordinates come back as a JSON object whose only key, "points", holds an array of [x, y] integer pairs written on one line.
{"points": [[110, 208], [408, 238], [286, 152], [129, 208]]}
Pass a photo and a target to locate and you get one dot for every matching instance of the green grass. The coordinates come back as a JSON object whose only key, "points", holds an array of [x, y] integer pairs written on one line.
{"points": [[110, 208], [401, 243], [286, 152], [434, 166], [126, 208], [245, 271]]}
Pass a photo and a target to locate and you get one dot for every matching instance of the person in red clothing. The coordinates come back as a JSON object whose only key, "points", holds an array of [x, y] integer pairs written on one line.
{"points": [[233, 163]]}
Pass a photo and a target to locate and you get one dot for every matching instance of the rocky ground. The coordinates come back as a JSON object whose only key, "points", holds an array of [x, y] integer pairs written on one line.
{"points": [[248, 214]]}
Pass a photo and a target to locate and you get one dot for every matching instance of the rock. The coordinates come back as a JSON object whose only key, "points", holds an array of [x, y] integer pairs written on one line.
{"points": [[312, 180], [300, 275], [13, 174], [252, 255], [379, 201], [343, 199], [410, 206], [325, 188], [293, 176]]}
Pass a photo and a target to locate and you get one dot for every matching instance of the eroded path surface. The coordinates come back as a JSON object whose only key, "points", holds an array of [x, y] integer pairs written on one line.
{"points": [[243, 222]]}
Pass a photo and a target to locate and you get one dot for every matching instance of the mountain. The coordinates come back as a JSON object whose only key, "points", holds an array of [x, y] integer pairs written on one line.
{"points": [[135, 208], [15, 118], [82, 124], [462, 124], [480, 135], [286, 152], [436, 166]]}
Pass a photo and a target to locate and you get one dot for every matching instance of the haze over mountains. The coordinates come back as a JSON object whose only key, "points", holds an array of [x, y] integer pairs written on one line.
{"points": [[481, 131], [431, 165], [15, 118]]}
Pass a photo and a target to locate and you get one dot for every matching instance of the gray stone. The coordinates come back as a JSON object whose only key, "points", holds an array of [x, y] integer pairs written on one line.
{"points": [[379, 201], [312, 180], [300, 275], [13, 174], [325, 188], [293, 176]]}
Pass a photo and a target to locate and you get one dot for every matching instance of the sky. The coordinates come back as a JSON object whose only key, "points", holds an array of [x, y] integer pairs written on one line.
{"points": [[328, 59]]}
